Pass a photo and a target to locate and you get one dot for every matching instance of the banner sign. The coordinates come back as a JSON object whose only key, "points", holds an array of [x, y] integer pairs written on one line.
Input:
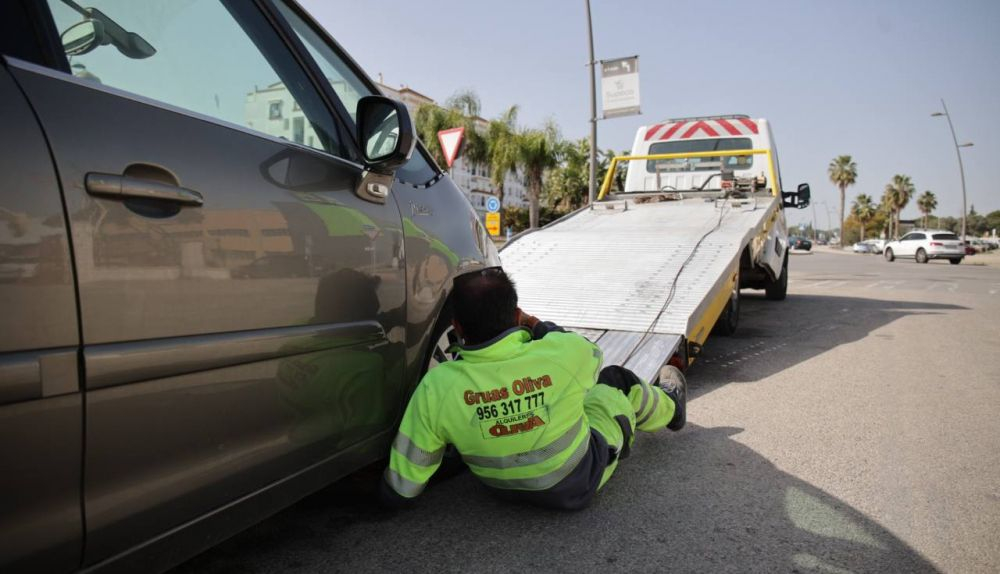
{"points": [[620, 87]]}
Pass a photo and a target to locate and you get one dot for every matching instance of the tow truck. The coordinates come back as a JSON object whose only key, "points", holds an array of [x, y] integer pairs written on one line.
{"points": [[647, 272]]}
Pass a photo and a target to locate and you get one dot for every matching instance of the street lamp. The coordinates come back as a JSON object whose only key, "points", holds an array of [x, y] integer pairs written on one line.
{"points": [[958, 151], [829, 221]]}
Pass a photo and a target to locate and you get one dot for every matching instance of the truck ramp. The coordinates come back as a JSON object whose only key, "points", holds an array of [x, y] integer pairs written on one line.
{"points": [[637, 271]]}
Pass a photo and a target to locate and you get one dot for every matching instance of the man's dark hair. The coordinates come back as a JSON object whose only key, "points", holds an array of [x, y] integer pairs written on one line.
{"points": [[484, 304]]}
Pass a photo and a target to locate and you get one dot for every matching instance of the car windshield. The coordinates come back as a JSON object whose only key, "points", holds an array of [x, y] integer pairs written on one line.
{"points": [[700, 163], [945, 236]]}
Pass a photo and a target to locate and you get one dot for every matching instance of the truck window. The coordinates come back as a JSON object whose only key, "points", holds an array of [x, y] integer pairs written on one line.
{"points": [[700, 163]]}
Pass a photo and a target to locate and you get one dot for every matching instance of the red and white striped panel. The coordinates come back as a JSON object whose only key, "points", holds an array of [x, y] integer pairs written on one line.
{"points": [[701, 128]]}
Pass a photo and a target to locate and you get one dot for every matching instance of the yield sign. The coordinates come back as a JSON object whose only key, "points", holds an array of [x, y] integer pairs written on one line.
{"points": [[450, 141]]}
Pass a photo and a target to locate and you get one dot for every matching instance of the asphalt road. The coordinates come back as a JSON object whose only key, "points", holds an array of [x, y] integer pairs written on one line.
{"points": [[851, 428]]}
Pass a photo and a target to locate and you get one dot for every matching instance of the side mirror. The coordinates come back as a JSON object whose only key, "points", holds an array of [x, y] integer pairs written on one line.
{"points": [[82, 37], [385, 132], [798, 199]]}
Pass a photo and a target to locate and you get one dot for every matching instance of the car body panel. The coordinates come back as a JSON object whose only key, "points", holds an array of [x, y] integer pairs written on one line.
{"points": [[41, 410], [298, 406]]}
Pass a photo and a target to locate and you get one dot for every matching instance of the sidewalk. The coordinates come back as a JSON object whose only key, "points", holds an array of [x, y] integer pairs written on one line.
{"points": [[990, 259]]}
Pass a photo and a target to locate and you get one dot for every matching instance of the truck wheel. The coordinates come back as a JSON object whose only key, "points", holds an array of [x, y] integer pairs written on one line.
{"points": [[955, 261], [921, 256], [888, 255], [777, 289], [730, 317]]}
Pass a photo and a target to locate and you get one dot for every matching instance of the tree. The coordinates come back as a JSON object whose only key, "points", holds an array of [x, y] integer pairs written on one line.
{"points": [[843, 172], [536, 153], [898, 194], [864, 211], [927, 202], [461, 110], [501, 148]]}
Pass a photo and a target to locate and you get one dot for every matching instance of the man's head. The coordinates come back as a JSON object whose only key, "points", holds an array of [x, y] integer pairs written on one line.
{"points": [[484, 304]]}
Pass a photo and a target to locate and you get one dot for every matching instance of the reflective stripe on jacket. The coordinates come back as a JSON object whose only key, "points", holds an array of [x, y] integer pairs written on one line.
{"points": [[513, 407]]}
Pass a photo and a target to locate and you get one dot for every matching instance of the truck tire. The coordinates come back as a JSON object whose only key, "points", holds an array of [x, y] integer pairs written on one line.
{"points": [[730, 317], [921, 256], [777, 289]]}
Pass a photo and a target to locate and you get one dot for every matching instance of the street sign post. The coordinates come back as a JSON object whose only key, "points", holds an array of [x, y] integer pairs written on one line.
{"points": [[493, 223], [620, 87], [451, 141]]}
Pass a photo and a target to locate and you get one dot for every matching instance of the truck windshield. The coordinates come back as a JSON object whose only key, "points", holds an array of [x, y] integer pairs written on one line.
{"points": [[700, 163]]}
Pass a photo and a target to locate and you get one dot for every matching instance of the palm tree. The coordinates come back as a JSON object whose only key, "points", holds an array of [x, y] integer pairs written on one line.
{"points": [[898, 193], [843, 173], [501, 148], [537, 151], [927, 202], [864, 210], [461, 110], [885, 206]]}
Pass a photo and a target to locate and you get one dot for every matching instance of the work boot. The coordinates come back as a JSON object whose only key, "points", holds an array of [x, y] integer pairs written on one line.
{"points": [[675, 386]]}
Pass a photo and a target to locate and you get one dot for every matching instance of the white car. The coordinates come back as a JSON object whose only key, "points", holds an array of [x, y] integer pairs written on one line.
{"points": [[926, 244]]}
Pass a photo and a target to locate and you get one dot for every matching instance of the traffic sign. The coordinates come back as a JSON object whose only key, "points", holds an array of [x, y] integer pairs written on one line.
{"points": [[450, 141], [493, 223], [492, 204]]}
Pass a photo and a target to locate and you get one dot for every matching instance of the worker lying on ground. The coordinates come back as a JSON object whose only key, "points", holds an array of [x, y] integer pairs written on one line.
{"points": [[522, 408]]}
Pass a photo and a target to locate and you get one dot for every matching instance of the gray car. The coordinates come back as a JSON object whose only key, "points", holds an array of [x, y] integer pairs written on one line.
{"points": [[160, 390]]}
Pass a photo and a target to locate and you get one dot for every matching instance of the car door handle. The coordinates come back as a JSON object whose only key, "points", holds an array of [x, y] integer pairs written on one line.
{"points": [[109, 185]]}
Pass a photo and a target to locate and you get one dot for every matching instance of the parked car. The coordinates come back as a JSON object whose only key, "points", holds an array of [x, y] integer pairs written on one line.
{"points": [[801, 243], [926, 244], [878, 245], [152, 404], [863, 247]]}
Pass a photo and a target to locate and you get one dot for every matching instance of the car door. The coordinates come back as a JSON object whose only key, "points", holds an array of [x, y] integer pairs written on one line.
{"points": [[41, 407], [905, 248], [917, 241], [190, 141]]}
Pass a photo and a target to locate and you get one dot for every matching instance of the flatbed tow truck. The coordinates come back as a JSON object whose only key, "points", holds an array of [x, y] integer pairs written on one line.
{"points": [[648, 272]]}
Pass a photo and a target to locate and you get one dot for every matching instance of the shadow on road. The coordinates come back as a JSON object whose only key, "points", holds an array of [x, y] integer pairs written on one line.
{"points": [[695, 501], [773, 336]]}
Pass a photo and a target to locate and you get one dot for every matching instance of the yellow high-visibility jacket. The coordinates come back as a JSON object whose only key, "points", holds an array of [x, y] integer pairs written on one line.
{"points": [[513, 407]]}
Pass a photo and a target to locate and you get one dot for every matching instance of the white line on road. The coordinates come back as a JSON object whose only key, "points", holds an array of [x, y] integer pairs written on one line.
{"points": [[952, 287], [887, 285]]}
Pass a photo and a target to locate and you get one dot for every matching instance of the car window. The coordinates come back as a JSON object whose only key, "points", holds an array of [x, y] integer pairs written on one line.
{"points": [[350, 88], [914, 236], [217, 59], [945, 236]]}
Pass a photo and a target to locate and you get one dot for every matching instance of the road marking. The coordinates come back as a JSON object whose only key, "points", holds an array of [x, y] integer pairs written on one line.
{"points": [[887, 285], [952, 287], [994, 291], [826, 284]]}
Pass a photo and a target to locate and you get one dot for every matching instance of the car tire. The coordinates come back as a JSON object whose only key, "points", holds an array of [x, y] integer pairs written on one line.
{"points": [[921, 256], [777, 290], [955, 260], [889, 256], [730, 317]]}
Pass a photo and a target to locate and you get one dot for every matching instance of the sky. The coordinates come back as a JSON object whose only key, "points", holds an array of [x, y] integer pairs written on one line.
{"points": [[849, 77]]}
